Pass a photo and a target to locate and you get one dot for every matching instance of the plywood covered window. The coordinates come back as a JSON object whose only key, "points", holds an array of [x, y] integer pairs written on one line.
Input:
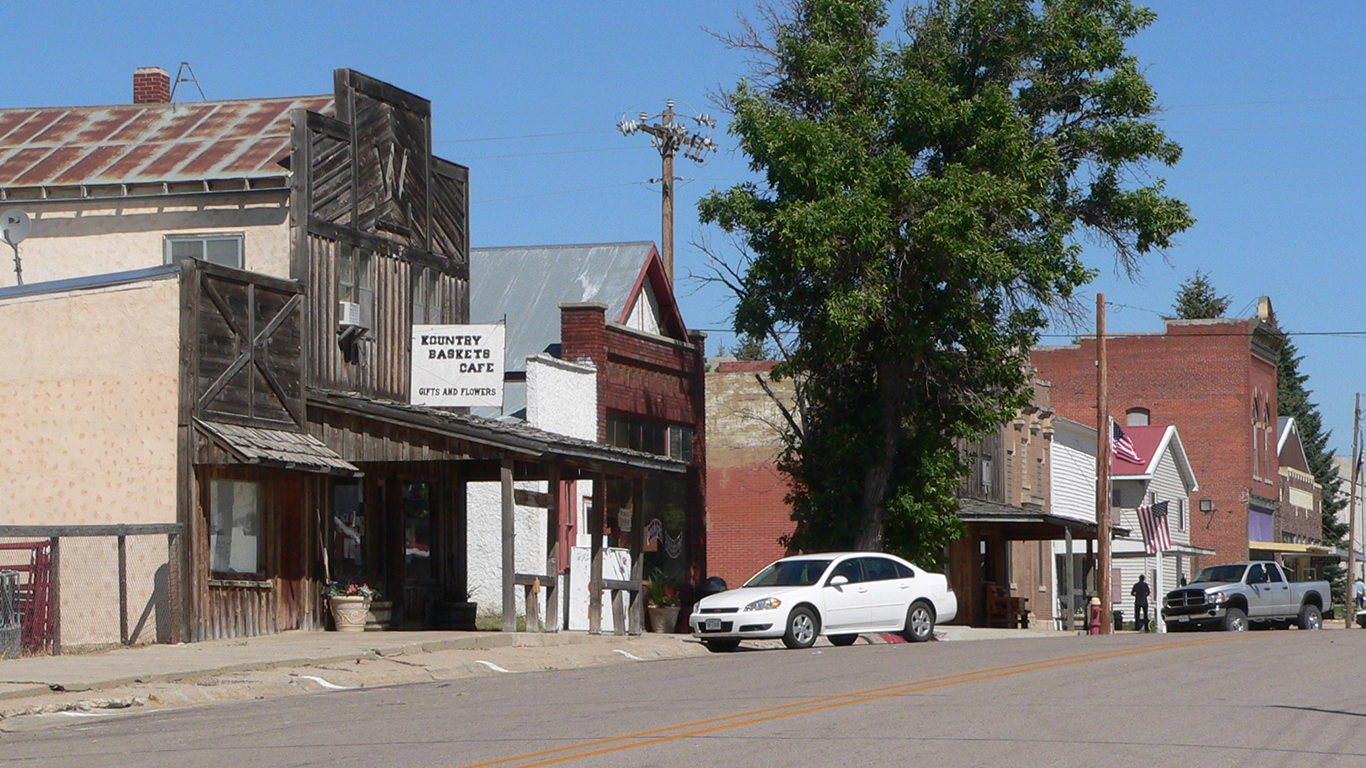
{"points": [[235, 519]]}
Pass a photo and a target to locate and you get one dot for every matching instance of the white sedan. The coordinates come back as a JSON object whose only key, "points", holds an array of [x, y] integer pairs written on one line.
{"points": [[839, 595]]}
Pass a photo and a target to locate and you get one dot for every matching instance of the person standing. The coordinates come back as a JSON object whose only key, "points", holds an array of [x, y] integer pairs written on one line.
{"points": [[1360, 588], [1140, 593]]}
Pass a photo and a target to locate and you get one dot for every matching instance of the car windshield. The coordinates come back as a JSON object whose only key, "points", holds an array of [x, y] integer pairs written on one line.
{"points": [[1220, 574], [790, 573]]}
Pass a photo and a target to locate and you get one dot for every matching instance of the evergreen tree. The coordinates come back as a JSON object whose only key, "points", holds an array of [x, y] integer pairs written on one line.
{"points": [[1196, 299], [1292, 399], [917, 218], [749, 346]]}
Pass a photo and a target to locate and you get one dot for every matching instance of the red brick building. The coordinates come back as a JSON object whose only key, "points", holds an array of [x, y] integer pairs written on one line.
{"points": [[1216, 381], [747, 509]]}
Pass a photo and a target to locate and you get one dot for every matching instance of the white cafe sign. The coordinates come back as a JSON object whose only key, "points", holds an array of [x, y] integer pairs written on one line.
{"points": [[458, 365]]}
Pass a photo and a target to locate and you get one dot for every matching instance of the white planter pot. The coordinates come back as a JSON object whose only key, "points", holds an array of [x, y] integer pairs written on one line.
{"points": [[348, 612]]}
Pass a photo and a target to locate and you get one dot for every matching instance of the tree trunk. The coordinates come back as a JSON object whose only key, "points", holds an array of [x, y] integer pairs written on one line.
{"points": [[872, 508]]}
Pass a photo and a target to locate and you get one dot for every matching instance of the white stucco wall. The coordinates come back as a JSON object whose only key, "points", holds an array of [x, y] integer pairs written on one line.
{"points": [[561, 398], [88, 394], [98, 237]]}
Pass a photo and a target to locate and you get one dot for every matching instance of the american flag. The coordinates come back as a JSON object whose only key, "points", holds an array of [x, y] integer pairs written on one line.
{"points": [[1157, 537], [1123, 447]]}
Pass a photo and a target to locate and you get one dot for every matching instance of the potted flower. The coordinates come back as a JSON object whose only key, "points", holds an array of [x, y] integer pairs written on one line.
{"points": [[350, 603], [381, 613], [663, 604]]}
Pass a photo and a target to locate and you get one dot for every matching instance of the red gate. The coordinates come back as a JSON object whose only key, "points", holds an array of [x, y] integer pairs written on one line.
{"points": [[35, 595]]}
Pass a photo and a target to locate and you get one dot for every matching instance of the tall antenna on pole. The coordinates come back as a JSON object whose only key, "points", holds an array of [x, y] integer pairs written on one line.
{"points": [[668, 138], [186, 75]]}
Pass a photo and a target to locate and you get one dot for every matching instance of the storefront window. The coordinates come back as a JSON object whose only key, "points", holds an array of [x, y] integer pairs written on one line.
{"points": [[234, 527], [348, 532], [417, 532], [666, 528]]}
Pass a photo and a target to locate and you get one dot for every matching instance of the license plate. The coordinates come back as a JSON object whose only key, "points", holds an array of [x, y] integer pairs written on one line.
{"points": [[1184, 619], [713, 625]]}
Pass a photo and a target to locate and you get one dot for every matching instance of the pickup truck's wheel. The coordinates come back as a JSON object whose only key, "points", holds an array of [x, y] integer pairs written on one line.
{"points": [[802, 628], [1310, 618], [1235, 620]]}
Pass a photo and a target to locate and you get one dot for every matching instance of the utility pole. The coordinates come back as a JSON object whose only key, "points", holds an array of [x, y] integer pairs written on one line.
{"points": [[1102, 471], [1350, 611], [668, 138]]}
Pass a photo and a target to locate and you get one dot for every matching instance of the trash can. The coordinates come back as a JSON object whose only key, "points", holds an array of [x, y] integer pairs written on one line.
{"points": [[1119, 620]]}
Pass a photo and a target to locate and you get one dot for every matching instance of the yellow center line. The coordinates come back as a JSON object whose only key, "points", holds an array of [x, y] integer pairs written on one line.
{"points": [[752, 717]]}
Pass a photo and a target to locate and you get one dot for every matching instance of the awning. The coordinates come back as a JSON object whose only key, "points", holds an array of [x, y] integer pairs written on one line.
{"points": [[1290, 549], [275, 448], [1026, 524], [1187, 550]]}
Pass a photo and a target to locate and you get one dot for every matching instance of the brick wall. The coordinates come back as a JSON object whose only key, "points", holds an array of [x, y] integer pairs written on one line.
{"points": [[151, 85], [747, 511], [644, 376], [1201, 376]]}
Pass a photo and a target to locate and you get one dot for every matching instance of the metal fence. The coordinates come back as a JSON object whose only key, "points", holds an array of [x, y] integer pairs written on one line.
{"points": [[87, 587], [11, 624]]}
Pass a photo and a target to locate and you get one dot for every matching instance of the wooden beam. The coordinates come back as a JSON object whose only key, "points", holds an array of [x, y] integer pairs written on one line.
{"points": [[509, 555], [637, 554], [621, 585], [552, 550], [595, 520], [52, 531], [532, 499]]}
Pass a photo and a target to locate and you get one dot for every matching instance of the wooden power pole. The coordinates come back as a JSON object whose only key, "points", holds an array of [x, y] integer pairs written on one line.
{"points": [[1102, 471], [669, 137], [1350, 610]]}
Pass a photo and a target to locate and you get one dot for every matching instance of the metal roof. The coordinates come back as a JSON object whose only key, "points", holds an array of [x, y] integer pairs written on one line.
{"points": [[274, 447], [148, 143], [508, 436], [527, 284]]}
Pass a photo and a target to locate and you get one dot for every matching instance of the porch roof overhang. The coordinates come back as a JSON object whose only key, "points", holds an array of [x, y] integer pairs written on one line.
{"points": [[1025, 524], [275, 448], [520, 441], [1288, 548], [1189, 550]]}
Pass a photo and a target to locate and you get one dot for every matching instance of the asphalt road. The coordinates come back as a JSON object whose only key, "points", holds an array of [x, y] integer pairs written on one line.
{"points": [[1282, 698]]}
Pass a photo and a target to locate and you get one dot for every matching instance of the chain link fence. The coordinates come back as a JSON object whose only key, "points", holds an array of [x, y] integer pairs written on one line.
{"points": [[85, 587]]}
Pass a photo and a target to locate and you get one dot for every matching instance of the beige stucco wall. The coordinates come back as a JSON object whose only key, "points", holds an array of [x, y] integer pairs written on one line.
{"points": [[98, 237], [88, 392]]}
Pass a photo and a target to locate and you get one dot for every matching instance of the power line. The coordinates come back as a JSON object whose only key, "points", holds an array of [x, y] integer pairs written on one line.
{"points": [[558, 152], [558, 192], [524, 136]]}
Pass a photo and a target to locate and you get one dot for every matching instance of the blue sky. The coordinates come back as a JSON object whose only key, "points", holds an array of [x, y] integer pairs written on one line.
{"points": [[1267, 100]]}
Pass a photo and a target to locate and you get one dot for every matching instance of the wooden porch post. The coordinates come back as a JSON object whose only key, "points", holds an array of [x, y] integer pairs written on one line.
{"points": [[552, 550], [638, 555], [509, 555], [595, 525]]}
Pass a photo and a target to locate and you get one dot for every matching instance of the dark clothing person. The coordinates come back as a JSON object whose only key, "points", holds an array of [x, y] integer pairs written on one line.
{"points": [[1140, 593]]}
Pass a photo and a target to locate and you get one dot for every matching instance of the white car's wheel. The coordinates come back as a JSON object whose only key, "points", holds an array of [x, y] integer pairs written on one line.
{"points": [[802, 628], [919, 622]]}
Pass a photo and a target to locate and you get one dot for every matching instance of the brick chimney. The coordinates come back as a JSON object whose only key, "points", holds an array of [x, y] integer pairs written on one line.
{"points": [[151, 85]]}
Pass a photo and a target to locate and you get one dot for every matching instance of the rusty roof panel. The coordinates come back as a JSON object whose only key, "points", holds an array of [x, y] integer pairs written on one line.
{"points": [[148, 143], [49, 167]]}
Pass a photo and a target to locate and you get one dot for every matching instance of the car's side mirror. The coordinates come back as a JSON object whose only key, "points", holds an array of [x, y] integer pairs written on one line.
{"points": [[839, 581]]}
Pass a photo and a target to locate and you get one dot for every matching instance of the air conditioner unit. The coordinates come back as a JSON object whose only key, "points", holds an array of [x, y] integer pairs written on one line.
{"points": [[348, 314]]}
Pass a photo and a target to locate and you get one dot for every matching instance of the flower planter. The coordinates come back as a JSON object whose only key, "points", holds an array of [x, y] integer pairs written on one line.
{"points": [[663, 618], [348, 612], [381, 611]]}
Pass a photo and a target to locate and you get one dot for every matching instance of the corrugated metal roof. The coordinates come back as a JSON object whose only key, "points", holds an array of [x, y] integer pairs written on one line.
{"points": [[277, 447], [529, 283], [148, 143]]}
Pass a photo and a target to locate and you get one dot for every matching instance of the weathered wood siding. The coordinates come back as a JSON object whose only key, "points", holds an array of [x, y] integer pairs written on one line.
{"points": [[245, 348], [367, 180]]}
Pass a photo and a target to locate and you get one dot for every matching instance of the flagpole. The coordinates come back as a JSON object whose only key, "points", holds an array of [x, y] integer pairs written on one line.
{"points": [[1102, 471]]}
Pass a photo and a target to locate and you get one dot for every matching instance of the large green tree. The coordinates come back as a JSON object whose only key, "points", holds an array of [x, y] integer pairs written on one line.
{"points": [[916, 221]]}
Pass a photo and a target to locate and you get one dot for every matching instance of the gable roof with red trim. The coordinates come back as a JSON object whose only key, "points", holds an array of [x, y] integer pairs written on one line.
{"points": [[1151, 443]]}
